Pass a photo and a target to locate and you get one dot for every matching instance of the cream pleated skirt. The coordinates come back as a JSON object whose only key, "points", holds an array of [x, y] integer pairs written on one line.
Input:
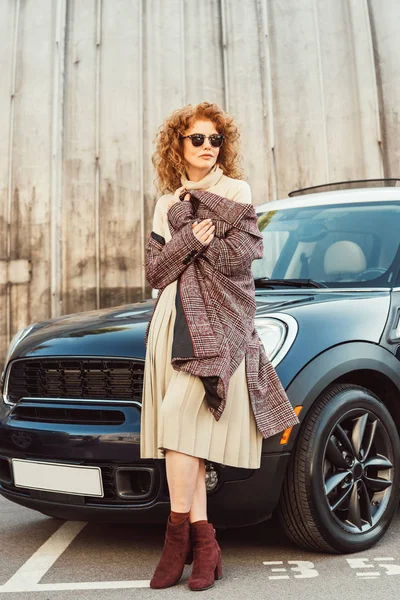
{"points": [[175, 414]]}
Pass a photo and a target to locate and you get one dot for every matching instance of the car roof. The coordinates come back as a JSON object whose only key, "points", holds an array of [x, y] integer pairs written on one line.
{"points": [[376, 194]]}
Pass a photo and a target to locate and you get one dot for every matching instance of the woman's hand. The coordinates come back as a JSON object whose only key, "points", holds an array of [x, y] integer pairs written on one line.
{"points": [[176, 198], [204, 231]]}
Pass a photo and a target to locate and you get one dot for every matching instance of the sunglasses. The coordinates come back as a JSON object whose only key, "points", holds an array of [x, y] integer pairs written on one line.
{"points": [[197, 139]]}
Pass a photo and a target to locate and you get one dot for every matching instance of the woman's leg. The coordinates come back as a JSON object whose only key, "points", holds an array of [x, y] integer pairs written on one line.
{"points": [[182, 475], [198, 510], [186, 477], [182, 471], [207, 565]]}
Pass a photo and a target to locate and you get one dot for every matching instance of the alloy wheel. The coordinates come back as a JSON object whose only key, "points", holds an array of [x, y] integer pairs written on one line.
{"points": [[358, 470]]}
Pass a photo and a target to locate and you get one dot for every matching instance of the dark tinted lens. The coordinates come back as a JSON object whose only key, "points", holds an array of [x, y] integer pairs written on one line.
{"points": [[216, 140], [198, 139]]}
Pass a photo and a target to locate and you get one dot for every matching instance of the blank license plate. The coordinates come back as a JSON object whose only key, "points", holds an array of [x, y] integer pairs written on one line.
{"points": [[57, 477]]}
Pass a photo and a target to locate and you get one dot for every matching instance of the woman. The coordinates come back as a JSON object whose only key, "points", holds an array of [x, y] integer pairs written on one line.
{"points": [[189, 411]]}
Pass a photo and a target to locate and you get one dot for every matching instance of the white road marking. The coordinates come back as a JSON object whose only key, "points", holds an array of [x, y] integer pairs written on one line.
{"points": [[359, 563], [27, 578], [305, 568], [40, 562], [390, 569], [89, 585]]}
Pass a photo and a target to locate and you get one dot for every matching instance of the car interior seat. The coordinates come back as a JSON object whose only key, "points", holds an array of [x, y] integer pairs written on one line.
{"points": [[343, 261]]}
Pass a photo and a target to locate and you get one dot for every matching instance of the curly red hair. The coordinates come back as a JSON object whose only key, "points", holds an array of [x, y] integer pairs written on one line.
{"points": [[168, 156]]}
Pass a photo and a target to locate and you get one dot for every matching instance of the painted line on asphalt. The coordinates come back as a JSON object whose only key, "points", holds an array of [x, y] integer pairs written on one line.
{"points": [[27, 578], [89, 585], [43, 559]]}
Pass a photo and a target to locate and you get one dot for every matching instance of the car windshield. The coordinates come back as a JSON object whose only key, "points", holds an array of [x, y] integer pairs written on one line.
{"points": [[336, 245]]}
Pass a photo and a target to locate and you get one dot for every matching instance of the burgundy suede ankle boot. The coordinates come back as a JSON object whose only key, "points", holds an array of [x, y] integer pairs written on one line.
{"points": [[207, 564], [176, 553]]}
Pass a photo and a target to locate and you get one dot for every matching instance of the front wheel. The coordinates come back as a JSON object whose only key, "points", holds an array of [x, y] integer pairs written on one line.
{"points": [[341, 489]]}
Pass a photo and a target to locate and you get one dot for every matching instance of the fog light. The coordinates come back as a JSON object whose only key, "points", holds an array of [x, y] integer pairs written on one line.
{"points": [[136, 483], [211, 477]]}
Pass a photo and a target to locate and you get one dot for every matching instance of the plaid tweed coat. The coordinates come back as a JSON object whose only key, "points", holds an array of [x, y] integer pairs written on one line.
{"points": [[215, 304]]}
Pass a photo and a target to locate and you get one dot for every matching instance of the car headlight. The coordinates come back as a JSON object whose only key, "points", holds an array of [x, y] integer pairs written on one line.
{"points": [[277, 333]]}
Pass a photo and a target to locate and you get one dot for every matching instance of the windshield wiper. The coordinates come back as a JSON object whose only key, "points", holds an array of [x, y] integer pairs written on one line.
{"points": [[303, 283]]}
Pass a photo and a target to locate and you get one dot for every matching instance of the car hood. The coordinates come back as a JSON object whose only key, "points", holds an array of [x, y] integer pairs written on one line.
{"points": [[120, 331]]}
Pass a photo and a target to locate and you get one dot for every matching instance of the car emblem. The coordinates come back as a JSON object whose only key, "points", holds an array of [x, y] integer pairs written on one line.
{"points": [[21, 439]]}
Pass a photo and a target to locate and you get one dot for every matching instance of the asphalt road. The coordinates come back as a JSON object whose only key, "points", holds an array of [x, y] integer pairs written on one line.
{"points": [[44, 558]]}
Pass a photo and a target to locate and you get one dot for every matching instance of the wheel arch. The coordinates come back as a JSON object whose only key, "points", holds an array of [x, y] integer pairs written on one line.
{"points": [[360, 363], [381, 385]]}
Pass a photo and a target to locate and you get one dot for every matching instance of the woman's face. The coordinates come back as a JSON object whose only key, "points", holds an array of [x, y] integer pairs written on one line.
{"points": [[200, 158]]}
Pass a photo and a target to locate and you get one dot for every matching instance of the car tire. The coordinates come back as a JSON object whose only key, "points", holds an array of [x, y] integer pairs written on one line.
{"points": [[341, 488]]}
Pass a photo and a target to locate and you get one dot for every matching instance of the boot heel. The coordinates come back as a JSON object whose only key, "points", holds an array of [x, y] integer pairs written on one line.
{"points": [[218, 568], [207, 565]]}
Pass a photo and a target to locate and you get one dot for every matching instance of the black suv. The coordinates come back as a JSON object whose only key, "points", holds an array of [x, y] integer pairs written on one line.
{"points": [[328, 297]]}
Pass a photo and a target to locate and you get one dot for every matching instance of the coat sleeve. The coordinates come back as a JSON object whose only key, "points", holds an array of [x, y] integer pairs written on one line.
{"points": [[231, 254], [180, 214], [231, 251], [165, 262]]}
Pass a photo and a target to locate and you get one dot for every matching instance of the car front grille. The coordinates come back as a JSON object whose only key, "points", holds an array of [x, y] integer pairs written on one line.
{"points": [[103, 379], [70, 415]]}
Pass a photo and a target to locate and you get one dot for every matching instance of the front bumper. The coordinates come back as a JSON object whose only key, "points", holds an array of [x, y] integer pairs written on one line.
{"points": [[236, 502], [135, 489]]}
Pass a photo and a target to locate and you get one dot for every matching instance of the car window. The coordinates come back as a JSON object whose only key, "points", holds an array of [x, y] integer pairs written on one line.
{"points": [[355, 244], [274, 242]]}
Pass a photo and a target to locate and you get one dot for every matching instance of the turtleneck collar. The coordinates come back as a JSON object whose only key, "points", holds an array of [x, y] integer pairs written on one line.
{"points": [[208, 180]]}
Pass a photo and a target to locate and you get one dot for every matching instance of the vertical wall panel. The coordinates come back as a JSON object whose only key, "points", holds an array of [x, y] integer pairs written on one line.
{"points": [[300, 158], [386, 27], [9, 36], [245, 91], [8, 15], [365, 87], [202, 52], [57, 154], [163, 78], [31, 152], [163, 82], [120, 148], [348, 89], [268, 108], [79, 197]]}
